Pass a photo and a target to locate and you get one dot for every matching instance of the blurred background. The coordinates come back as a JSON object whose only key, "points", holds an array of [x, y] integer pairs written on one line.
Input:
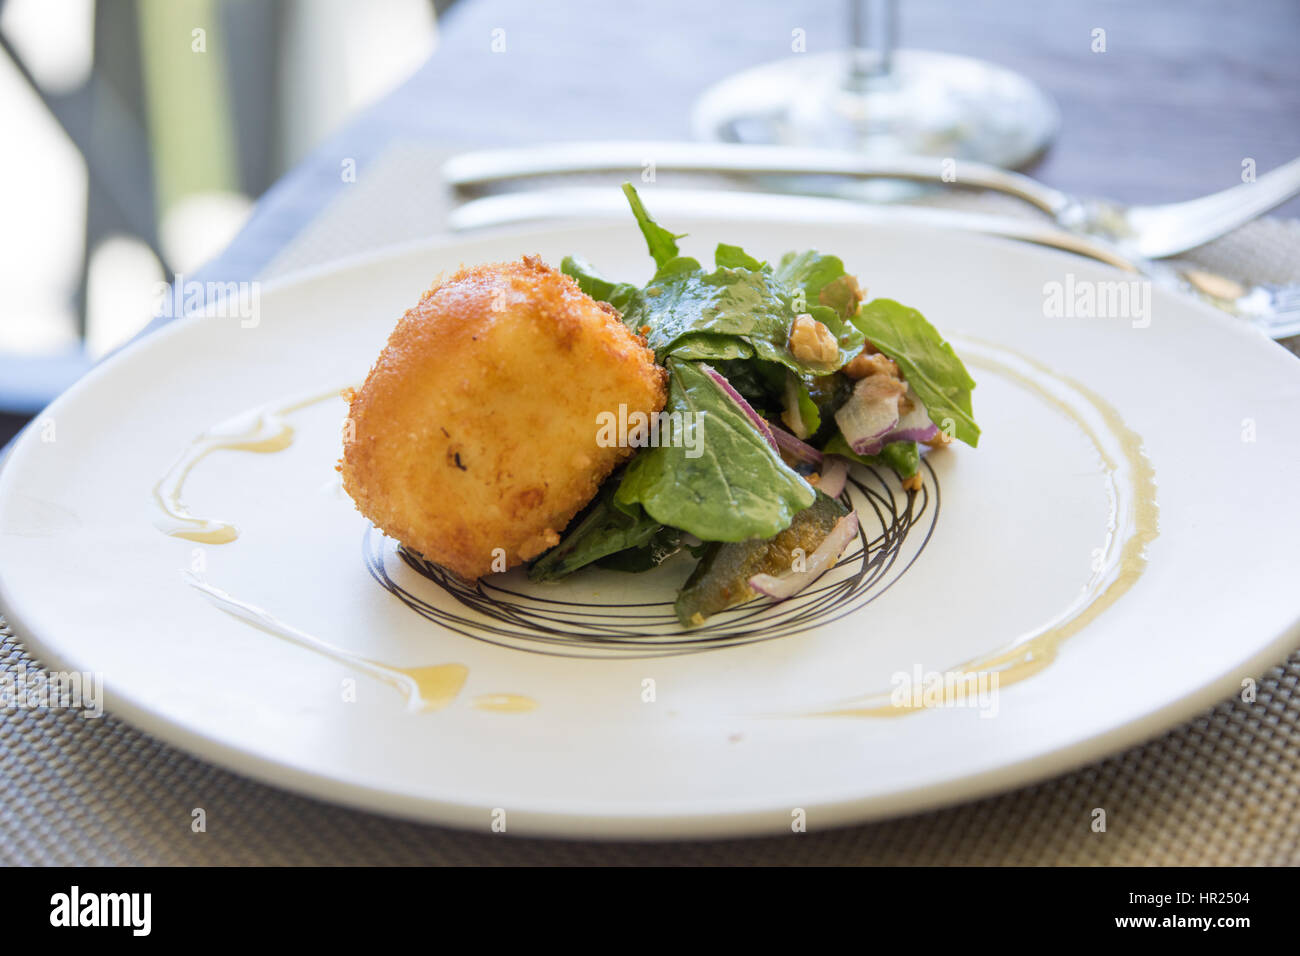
{"points": [[140, 134]]}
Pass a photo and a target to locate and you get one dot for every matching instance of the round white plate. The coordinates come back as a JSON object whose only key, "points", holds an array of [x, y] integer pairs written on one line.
{"points": [[1047, 524]]}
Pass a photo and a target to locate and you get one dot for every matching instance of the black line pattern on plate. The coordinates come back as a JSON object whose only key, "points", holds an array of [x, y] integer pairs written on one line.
{"points": [[531, 621]]}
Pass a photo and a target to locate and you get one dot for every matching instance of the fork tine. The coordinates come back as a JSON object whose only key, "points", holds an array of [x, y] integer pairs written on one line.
{"points": [[1174, 227]]}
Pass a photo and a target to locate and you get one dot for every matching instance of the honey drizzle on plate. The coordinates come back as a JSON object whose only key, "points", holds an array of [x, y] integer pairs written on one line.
{"points": [[426, 688], [264, 430], [505, 703], [1133, 525]]}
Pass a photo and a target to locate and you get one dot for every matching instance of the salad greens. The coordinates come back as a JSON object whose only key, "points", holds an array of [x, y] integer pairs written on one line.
{"points": [[724, 335], [904, 457], [739, 488], [621, 295], [810, 272], [927, 362], [729, 313], [662, 243], [605, 528], [734, 257]]}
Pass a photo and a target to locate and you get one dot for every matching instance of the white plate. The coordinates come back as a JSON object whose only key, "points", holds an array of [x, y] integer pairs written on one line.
{"points": [[1028, 531]]}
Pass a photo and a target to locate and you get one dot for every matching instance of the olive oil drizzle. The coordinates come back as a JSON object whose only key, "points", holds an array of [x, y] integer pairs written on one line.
{"points": [[265, 430], [1132, 526], [425, 688]]}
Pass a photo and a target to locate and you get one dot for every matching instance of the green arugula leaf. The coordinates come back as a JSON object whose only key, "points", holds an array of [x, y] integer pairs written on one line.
{"points": [[734, 257], [810, 271], [682, 304], [844, 295], [737, 488], [927, 362], [708, 347], [804, 407], [827, 393], [661, 242], [904, 457], [829, 294], [799, 413], [743, 298], [812, 420]]}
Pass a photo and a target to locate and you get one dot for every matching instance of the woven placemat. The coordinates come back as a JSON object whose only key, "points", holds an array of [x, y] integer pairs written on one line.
{"points": [[1223, 788]]}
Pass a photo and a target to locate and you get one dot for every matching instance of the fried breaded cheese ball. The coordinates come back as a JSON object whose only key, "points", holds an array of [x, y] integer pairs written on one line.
{"points": [[476, 429]]}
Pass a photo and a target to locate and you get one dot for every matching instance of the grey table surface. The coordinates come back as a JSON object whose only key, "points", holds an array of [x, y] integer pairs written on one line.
{"points": [[1186, 90]]}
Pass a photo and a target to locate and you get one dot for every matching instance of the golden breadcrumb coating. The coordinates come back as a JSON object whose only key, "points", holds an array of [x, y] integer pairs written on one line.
{"points": [[476, 429]]}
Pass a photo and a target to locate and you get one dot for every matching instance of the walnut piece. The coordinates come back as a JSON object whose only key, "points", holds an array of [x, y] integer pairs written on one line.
{"points": [[866, 364], [812, 342]]}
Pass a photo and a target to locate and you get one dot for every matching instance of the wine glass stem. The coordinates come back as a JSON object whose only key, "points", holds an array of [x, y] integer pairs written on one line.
{"points": [[873, 30]]}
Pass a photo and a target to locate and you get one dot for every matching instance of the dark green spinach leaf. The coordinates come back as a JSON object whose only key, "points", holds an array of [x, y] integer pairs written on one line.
{"points": [[738, 487], [607, 527], [621, 295]]}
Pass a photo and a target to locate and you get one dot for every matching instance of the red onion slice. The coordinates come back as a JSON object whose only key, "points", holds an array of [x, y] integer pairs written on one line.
{"points": [[827, 553], [871, 413], [759, 422], [872, 417], [799, 451], [915, 425], [835, 472]]}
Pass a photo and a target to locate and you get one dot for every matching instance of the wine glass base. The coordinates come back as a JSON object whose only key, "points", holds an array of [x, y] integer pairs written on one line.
{"points": [[930, 104]]}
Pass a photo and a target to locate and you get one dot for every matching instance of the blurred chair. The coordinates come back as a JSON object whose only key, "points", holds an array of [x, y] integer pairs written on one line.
{"points": [[154, 125]]}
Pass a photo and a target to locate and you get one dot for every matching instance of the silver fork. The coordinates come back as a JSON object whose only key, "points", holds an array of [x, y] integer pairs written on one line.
{"points": [[1144, 232], [1274, 309]]}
